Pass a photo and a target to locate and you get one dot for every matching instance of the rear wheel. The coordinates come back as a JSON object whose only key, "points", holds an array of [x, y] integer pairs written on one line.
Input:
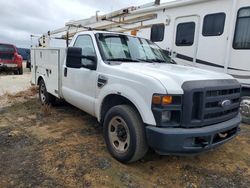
{"points": [[45, 97], [124, 133]]}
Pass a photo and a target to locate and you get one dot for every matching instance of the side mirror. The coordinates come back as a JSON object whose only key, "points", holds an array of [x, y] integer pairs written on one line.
{"points": [[74, 57]]}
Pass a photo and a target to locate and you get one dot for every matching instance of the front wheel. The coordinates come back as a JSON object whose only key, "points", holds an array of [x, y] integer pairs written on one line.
{"points": [[45, 97], [20, 70], [124, 134], [16, 72]]}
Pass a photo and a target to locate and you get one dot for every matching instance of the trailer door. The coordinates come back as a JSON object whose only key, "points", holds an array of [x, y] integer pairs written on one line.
{"points": [[239, 65], [185, 40]]}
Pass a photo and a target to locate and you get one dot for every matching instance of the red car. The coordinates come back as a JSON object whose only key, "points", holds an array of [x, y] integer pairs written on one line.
{"points": [[10, 59]]}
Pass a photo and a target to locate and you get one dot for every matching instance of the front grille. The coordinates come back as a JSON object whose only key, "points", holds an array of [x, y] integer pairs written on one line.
{"points": [[214, 102], [213, 112]]}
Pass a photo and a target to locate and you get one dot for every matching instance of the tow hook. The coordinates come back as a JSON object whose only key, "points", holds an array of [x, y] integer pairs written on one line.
{"points": [[223, 135]]}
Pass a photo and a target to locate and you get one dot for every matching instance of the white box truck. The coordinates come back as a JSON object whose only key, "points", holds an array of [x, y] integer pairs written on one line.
{"points": [[138, 95]]}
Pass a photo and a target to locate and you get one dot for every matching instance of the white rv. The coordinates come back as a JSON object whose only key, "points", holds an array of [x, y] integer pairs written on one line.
{"points": [[209, 34], [212, 34]]}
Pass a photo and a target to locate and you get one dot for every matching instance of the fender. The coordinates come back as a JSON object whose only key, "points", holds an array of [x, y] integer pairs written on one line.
{"points": [[131, 94]]}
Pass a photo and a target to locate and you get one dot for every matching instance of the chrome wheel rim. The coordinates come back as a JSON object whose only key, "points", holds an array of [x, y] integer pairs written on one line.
{"points": [[245, 108], [42, 93], [119, 136]]}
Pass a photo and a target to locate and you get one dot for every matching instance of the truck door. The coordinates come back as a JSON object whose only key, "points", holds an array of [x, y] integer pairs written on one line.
{"points": [[78, 84], [185, 40]]}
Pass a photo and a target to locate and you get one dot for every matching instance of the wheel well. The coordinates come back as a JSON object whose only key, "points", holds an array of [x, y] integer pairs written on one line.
{"points": [[245, 91], [39, 79], [114, 100]]}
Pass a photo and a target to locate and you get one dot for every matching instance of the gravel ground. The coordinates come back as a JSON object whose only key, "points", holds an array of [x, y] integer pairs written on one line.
{"points": [[11, 84]]}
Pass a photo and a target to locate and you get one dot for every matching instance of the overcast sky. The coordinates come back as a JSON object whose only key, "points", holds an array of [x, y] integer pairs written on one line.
{"points": [[21, 18]]}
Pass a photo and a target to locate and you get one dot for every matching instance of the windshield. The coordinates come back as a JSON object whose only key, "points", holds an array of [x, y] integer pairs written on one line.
{"points": [[117, 47], [6, 48]]}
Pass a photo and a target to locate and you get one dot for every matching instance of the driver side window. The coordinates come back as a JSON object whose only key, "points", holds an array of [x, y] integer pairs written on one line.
{"points": [[85, 42]]}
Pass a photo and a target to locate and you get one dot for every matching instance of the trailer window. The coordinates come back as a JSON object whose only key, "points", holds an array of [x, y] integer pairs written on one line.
{"points": [[242, 30], [213, 24], [185, 34], [157, 32]]}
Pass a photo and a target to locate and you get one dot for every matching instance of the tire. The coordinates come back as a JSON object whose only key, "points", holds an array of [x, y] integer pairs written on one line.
{"points": [[28, 65], [245, 118], [45, 97], [124, 134], [20, 70], [16, 72]]}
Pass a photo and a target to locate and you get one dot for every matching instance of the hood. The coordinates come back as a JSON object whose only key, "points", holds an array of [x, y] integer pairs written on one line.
{"points": [[172, 76]]}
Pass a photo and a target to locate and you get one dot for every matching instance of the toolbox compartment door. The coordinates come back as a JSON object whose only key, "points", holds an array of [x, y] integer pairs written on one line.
{"points": [[46, 63]]}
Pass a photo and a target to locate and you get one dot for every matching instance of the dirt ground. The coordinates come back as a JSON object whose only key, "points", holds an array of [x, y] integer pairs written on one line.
{"points": [[62, 146]]}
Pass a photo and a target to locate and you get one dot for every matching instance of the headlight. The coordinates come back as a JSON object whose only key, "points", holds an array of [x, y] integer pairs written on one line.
{"points": [[167, 109], [159, 99], [166, 116]]}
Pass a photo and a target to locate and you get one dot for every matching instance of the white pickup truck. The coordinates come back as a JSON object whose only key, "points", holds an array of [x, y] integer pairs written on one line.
{"points": [[140, 97]]}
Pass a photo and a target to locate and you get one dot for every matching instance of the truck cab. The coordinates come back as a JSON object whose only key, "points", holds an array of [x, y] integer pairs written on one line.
{"points": [[138, 95]]}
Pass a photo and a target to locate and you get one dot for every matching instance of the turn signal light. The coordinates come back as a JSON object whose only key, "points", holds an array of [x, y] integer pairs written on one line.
{"points": [[167, 100], [134, 32], [162, 100], [156, 99]]}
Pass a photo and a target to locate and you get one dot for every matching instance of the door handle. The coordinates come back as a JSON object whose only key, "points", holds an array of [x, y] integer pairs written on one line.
{"points": [[65, 72]]}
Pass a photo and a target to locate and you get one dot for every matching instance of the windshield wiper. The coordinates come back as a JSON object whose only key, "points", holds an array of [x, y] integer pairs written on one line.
{"points": [[123, 59], [152, 60], [158, 60]]}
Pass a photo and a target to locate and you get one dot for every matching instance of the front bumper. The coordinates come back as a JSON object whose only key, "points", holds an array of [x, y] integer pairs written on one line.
{"points": [[191, 140], [6, 66]]}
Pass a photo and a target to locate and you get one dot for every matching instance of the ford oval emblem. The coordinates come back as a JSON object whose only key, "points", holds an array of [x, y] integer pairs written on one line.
{"points": [[226, 103]]}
